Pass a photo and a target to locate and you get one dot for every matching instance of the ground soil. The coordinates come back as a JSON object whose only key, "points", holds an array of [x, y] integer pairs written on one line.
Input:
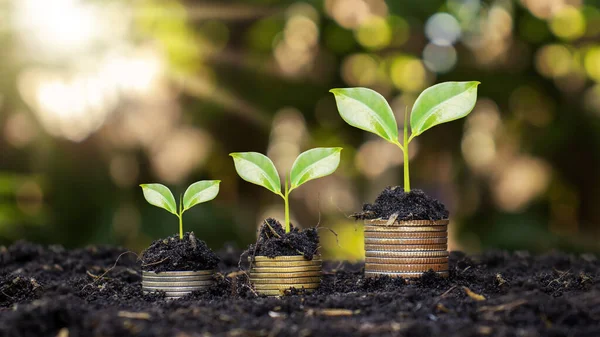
{"points": [[414, 205], [174, 254], [95, 291], [274, 241]]}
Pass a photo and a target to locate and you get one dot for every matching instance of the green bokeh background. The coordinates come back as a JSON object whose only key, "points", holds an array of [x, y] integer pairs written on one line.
{"points": [[97, 97]]}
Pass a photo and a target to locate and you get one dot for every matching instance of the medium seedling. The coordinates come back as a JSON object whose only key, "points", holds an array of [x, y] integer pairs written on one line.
{"points": [[197, 193], [366, 109], [260, 170]]}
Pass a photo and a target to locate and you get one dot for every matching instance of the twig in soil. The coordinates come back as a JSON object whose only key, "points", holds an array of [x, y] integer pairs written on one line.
{"points": [[561, 273], [134, 315], [502, 307], [334, 312], [272, 230], [155, 263], [109, 269], [474, 295], [91, 275], [447, 292], [392, 219]]}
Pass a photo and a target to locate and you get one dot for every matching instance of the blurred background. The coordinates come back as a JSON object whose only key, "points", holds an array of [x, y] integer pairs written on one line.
{"points": [[97, 97]]}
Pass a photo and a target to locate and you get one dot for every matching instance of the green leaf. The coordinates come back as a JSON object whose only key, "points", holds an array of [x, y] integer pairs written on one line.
{"points": [[442, 103], [314, 164], [159, 196], [257, 169], [366, 109], [199, 192]]}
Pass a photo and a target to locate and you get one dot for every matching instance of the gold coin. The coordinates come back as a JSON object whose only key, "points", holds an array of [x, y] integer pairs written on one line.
{"points": [[430, 241], [284, 269], [404, 275], [407, 223], [175, 284], [406, 260], [405, 229], [405, 268], [287, 263], [405, 235], [401, 248], [178, 273], [301, 280], [284, 258], [406, 254], [286, 286], [316, 273]]}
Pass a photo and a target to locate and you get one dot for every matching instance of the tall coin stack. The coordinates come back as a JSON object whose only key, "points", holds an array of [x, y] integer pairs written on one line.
{"points": [[406, 248], [177, 284], [273, 276]]}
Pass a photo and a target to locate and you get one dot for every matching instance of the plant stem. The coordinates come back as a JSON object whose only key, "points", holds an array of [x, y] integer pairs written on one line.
{"points": [[286, 199], [180, 226], [406, 171], [180, 218]]}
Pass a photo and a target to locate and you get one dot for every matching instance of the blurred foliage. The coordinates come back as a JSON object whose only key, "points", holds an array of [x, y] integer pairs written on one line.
{"points": [[97, 97]]}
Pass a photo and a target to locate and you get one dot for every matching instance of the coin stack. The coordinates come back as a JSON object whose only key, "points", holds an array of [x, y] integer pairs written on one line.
{"points": [[273, 276], [406, 248], [177, 284]]}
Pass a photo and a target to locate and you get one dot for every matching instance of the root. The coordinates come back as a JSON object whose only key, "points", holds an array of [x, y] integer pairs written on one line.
{"points": [[155, 263], [337, 239], [108, 270]]}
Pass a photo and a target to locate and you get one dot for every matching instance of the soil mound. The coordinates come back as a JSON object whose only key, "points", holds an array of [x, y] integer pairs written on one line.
{"points": [[414, 205], [274, 241], [173, 254]]}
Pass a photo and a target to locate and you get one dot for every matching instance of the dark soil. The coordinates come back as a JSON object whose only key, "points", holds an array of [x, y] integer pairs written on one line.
{"points": [[414, 205], [274, 241], [174, 254], [50, 291]]}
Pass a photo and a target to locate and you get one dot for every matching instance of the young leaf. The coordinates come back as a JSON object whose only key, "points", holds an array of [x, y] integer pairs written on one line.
{"points": [[366, 109], [314, 164], [442, 103], [257, 169], [159, 196], [199, 192]]}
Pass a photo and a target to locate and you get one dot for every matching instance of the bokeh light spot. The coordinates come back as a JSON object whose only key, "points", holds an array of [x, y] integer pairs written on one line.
{"points": [[442, 29], [439, 59], [568, 24], [374, 33]]}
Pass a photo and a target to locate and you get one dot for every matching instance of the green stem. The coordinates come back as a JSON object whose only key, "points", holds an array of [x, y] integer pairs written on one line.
{"points": [[286, 199], [406, 171], [180, 216], [181, 226]]}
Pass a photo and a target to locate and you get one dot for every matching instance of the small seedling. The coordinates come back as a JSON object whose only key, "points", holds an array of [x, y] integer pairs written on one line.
{"points": [[260, 170], [366, 109], [198, 192]]}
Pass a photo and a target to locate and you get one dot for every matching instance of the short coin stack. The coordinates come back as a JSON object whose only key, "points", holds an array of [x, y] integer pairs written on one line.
{"points": [[273, 276], [177, 284], [406, 248]]}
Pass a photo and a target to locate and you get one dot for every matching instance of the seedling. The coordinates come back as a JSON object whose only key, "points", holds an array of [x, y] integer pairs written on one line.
{"points": [[197, 193], [366, 109], [260, 170]]}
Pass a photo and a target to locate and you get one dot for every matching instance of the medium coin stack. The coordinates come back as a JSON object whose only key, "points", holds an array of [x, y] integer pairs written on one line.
{"points": [[273, 276], [406, 248], [177, 284]]}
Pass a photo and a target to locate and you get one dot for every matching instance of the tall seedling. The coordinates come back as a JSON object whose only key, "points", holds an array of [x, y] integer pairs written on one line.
{"points": [[366, 109], [260, 170], [197, 193]]}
